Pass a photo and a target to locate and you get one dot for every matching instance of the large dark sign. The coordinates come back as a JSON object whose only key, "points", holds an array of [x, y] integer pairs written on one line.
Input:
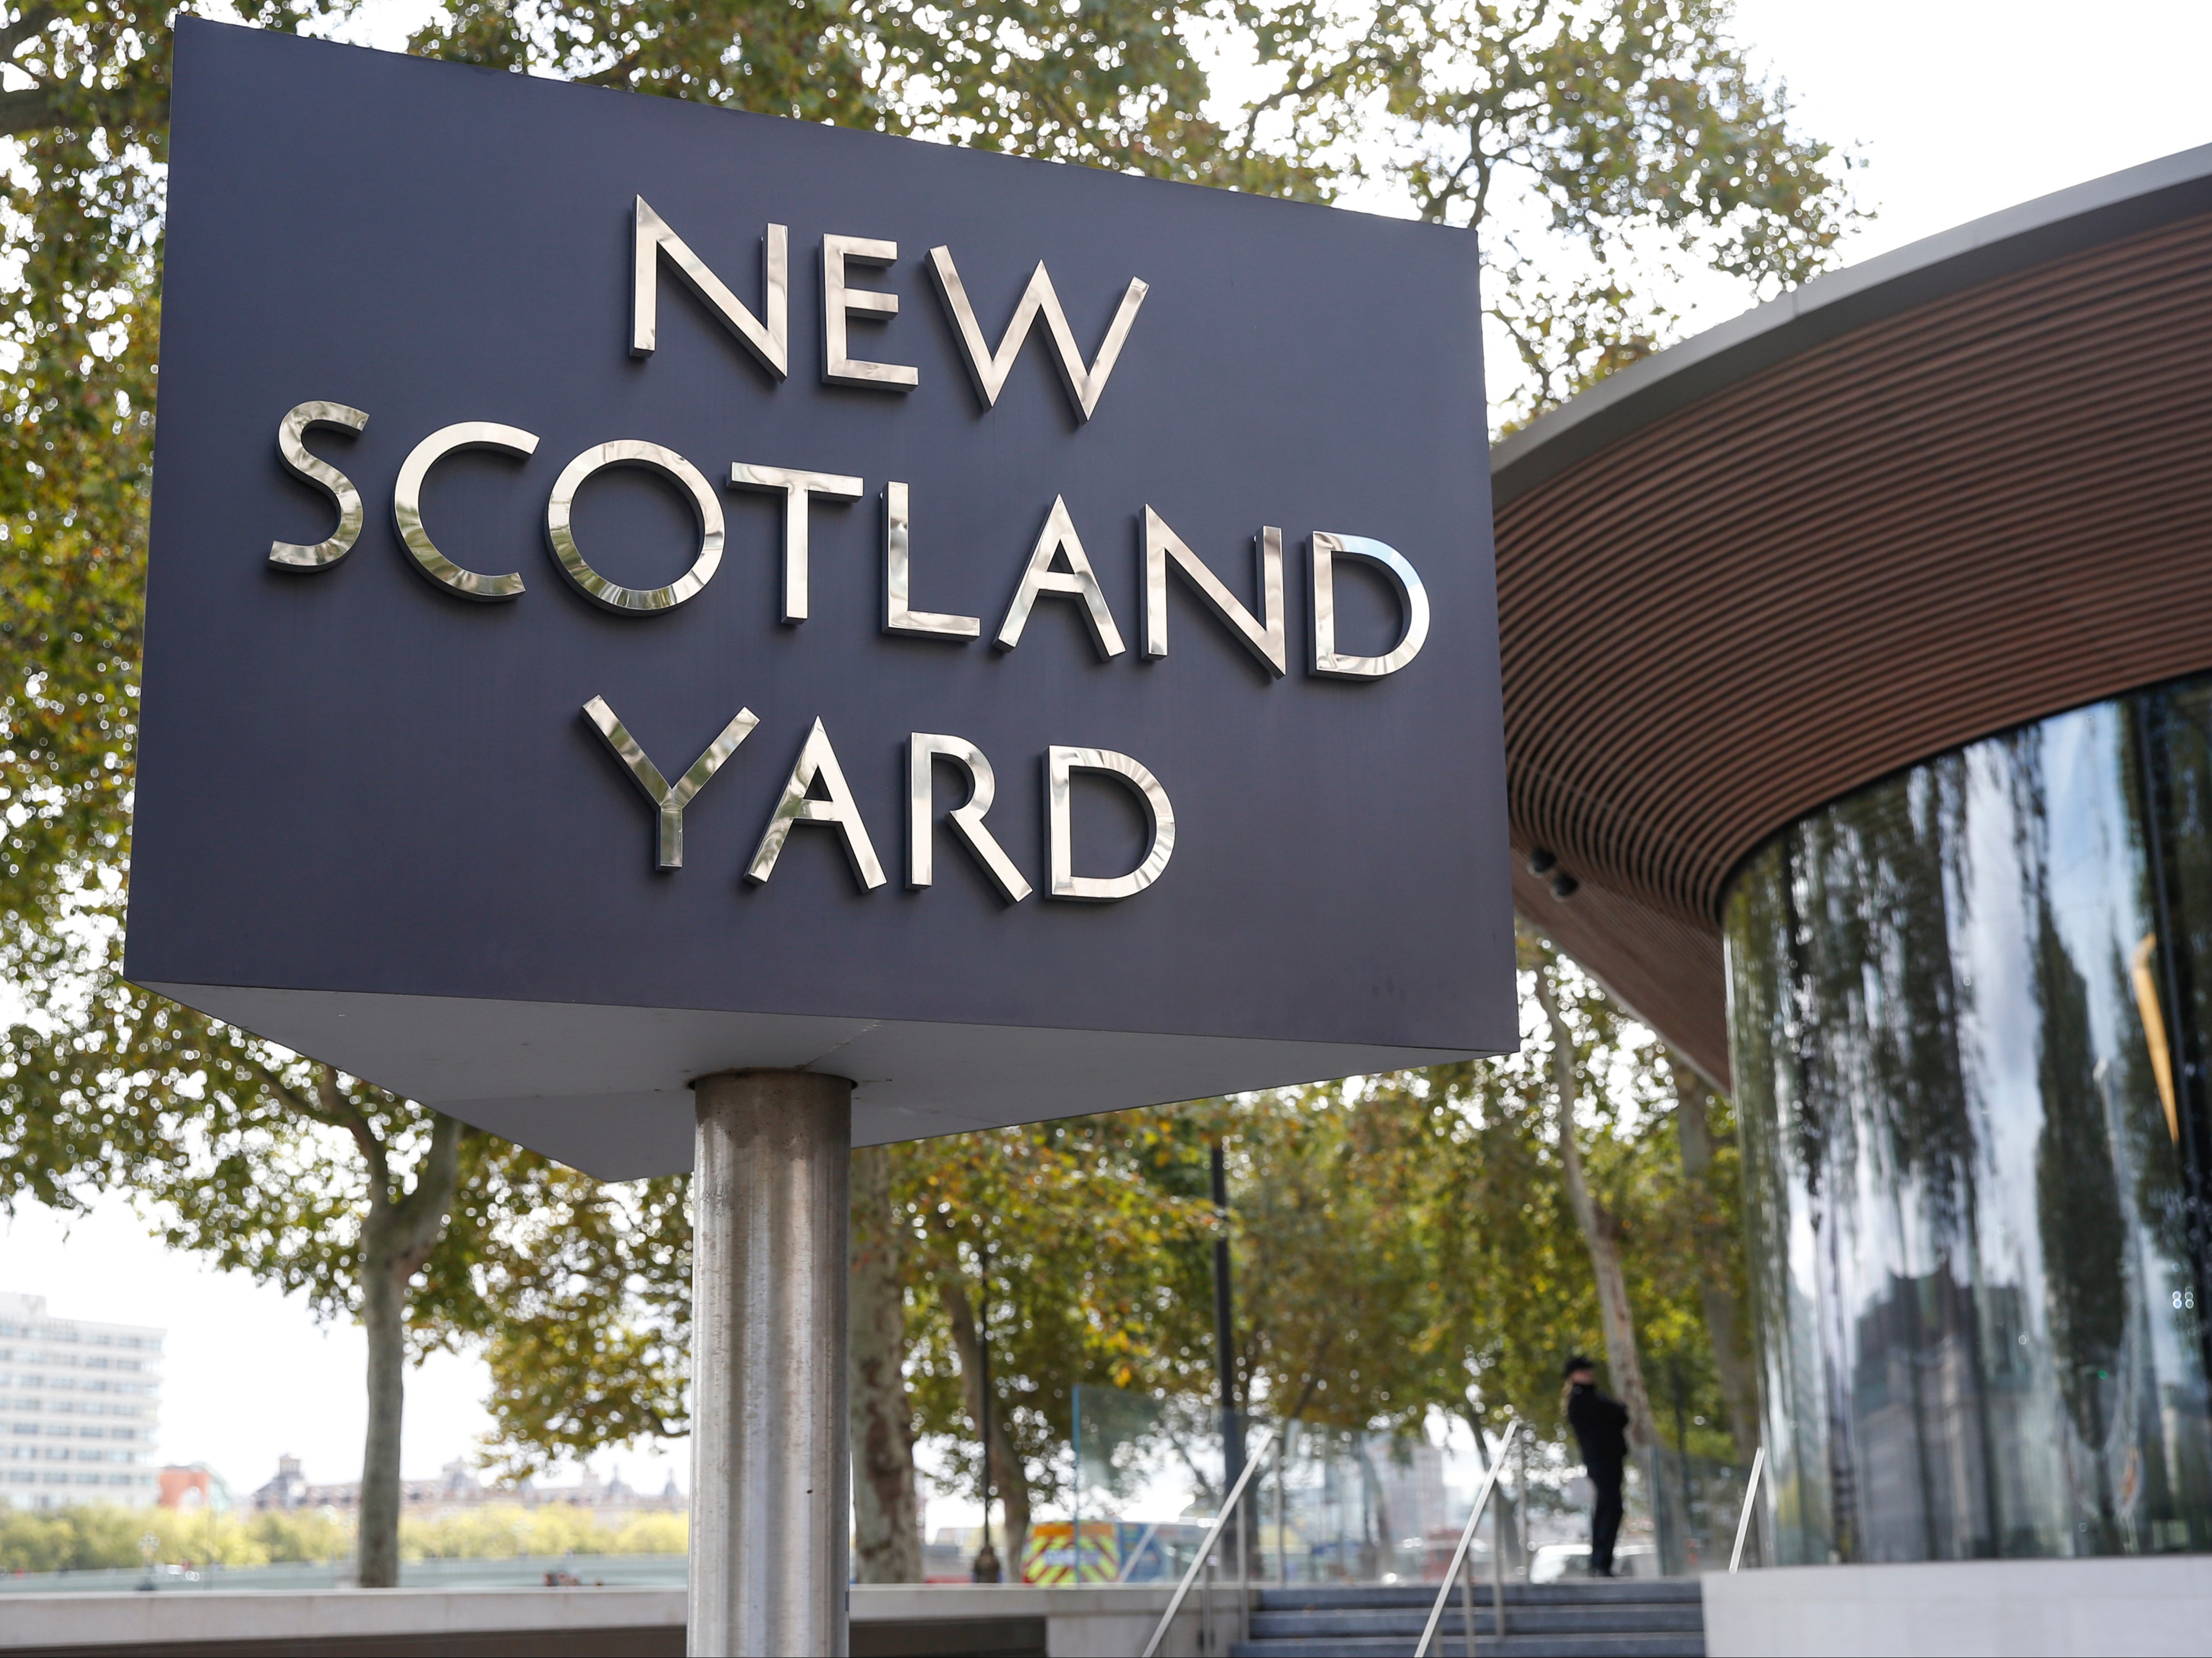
{"points": [[638, 590]]}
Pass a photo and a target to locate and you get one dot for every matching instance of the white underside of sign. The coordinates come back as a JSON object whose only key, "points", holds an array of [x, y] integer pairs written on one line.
{"points": [[562, 1078]]}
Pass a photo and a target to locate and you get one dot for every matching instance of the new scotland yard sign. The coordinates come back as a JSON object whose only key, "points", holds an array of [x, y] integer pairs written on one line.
{"points": [[638, 590]]}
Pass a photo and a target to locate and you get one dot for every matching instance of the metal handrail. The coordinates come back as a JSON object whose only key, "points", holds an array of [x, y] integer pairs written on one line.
{"points": [[1213, 1535], [1466, 1542], [1750, 1495]]}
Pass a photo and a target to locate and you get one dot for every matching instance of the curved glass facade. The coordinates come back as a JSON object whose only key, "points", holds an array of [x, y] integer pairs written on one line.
{"points": [[1969, 1010]]}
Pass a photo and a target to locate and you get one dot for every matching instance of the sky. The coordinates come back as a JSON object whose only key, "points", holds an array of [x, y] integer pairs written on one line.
{"points": [[1958, 110]]}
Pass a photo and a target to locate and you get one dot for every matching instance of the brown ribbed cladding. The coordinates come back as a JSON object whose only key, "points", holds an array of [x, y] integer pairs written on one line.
{"points": [[1976, 513]]}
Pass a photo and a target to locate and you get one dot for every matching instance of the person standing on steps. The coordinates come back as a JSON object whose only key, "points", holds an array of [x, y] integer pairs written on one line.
{"points": [[1601, 1426]]}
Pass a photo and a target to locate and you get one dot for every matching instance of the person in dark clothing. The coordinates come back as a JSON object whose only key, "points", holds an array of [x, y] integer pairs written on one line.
{"points": [[1601, 1426]]}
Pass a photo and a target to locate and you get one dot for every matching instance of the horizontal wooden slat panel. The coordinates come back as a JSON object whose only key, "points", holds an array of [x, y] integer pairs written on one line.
{"points": [[1985, 510]]}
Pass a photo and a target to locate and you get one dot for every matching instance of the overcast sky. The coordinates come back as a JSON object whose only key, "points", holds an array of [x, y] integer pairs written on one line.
{"points": [[1959, 109]]}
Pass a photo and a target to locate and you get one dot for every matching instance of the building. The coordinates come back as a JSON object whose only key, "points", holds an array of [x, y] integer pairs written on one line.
{"points": [[79, 1405], [1857, 659], [456, 1489], [192, 1487]]}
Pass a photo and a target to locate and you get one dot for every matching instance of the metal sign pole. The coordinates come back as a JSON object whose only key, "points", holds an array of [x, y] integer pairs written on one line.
{"points": [[768, 1436]]}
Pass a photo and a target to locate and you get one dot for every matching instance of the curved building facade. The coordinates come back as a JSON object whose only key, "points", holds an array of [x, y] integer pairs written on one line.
{"points": [[1957, 998], [1858, 673]]}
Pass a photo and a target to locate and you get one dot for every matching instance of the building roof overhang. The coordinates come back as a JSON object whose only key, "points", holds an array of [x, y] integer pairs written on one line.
{"points": [[1961, 486]]}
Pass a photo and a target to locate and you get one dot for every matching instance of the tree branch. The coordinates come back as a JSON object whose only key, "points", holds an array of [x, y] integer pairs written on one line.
{"points": [[342, 1112], [419, 1219]]}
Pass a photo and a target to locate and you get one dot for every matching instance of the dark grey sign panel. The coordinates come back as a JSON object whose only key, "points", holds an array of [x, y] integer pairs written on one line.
{"points": [[601, 544]]}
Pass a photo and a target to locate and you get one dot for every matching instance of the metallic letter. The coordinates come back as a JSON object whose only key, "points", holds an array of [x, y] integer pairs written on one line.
{"points": [[817, 759], [796, 486], [1059, 855], [654, 239], [838, 368], [289, 554], [1059, 537], [1412, 597], [666, 462], [921, 748], [407, 503], [900, 616], [669, 800], [989, 369], [1163, 544]]}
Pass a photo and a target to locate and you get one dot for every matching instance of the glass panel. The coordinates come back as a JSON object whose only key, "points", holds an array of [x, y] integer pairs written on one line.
{"points": [[1968, 1146]]}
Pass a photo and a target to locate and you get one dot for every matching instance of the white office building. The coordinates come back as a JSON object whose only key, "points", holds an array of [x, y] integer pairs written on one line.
{"points": [[79, 1402]]}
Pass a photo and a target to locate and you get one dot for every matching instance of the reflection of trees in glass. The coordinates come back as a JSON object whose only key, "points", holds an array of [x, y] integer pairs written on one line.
{"points": [[2077, 1208], [2172, 728], [1974, 1355], [1756, 929], [1884, 1127], [2078, 1205], [1844, 997]]}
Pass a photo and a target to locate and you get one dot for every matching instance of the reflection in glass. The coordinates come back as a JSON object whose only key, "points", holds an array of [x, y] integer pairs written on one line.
{"points": [[1968, 1007]]}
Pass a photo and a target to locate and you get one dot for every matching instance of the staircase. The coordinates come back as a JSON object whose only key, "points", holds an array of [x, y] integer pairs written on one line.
{"points": [[1626, 1617]]}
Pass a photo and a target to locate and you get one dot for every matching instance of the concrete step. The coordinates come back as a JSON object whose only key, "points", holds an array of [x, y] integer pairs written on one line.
{"points": [[1653, 1591], [1513, 1646], [1629, 1619]]}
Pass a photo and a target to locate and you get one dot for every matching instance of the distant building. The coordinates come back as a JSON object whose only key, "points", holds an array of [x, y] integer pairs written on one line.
{"points": [[192, 1487], [79, 1402], [456, 1488]]}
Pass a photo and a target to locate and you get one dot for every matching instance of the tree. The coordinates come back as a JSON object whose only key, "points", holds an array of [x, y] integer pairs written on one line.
{"points": [[1716, 1243], [1600, 1230], [1095, 1231], [886, 1535], [1588, 140], [234, 1150]]}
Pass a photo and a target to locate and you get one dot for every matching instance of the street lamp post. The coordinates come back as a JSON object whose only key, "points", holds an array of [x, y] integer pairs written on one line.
{"points": [[986, 1568]]}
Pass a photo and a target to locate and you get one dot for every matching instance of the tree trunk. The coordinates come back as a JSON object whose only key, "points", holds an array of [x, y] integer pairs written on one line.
{"points": [[1007, 1473], [1731, 1360], [1600, 1231], [383, 1315], [886, 1522], [396, 1238]]}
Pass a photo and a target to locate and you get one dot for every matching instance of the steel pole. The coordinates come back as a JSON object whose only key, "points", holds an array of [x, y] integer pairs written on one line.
{"points": [[1224, 1329], [768, 1434]]}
